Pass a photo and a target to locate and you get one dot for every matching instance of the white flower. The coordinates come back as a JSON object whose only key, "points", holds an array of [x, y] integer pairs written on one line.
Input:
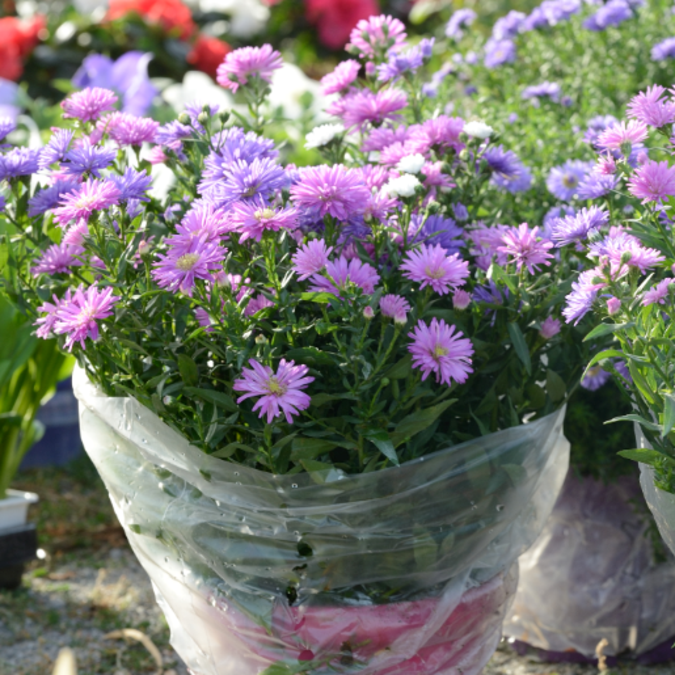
{"points": [[322, 135], [411, 163], [403, 186], [478, 129]]}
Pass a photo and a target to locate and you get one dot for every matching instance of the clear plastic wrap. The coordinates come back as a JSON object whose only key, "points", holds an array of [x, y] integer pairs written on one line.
{"points": [[402, 571], [661, 504], [591, 575]]}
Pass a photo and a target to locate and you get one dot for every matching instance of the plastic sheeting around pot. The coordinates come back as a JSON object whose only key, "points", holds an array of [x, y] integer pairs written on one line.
{"points": [[396, 572], [591, 575], [661, 503]]}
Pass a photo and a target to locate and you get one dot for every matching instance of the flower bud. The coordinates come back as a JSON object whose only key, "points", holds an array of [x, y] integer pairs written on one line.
{"points": [[203, 118], [260, 339], [368, 313], [464, 155], [433, 207], [184, 118], [385, 381], [626, 257], [461, 300], [224, 116], [613, 305]]}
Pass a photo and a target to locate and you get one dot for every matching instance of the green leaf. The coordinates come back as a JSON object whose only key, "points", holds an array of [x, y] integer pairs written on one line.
{"points": [[632, 417], [418, 421], [497, 273], [380, 439], [425, 548], [555, 386], [321, 399], [400, 369], [188, 369], [212, 396], [603, 356], [668, 414], [231, 448], [515, 472], [644, 455], [312, 466], [309, 448], [310, 356], [606, 329], [640, 382], [321, 298], [519, 344]]}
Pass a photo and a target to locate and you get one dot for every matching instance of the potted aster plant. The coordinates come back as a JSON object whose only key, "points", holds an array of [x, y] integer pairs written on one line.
{"points": [[306, 388]]}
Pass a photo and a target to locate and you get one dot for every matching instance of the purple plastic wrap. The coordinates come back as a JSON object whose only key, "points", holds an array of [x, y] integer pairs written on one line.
{"points": [[404, 571], [591, 575]]}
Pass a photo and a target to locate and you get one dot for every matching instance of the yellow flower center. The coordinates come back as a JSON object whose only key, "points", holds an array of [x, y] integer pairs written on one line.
{"points": [[187, 262], [440, 351], [264, 214], [570, 181], [434, 274], [275, 388], [85, 202]]}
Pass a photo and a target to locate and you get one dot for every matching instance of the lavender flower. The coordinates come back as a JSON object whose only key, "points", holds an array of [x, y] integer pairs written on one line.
{"points": [[395, 307], [442, 350], [382, 137], [344, 75], [56, 149], [7, 125], [562, 181], [376, 34], [622, 250], [128, 129], [440, 134], [133, 185], [248, 62], [363, 107], [595, 378], [280, 393], [262, 178], [311, 258], [520, 181], [58, 259], [596, 185], [402, 62], [577, 227], [502, 162], [664, 50], [653, 182], [91, 196], [49, 198], [341, 273], [583, 294], [614, 137], [432, 266], [550, 89], [658, 293], [19, 162], [524, 250], [499, 52], [649, 108], [611, 14], [461, 18], [508, 26], [550, 327], [88, 158], [437, 230], [252, 219], [88, 105]]}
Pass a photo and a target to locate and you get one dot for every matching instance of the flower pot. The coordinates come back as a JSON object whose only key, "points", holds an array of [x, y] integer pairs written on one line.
{"points": [[18, 540], [592, 575], [399, 571]]}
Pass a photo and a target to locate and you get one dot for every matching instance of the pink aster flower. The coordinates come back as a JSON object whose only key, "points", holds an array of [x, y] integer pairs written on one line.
{"points": [[280, 393], [657, 293], [622, 251], [549, 327], [310, 258], [77, 315], [376, 34], [58, 259], [183, 265], [75, 234], [523, 249], [256, 304], [344, 74], [92, 195], [648, 107], [395, 307], [89, 104], [46, 323], [333, 190], [439, 349], [342, 272], [618, 134], [441, 133], [432, 266], [202, 221], [364, 107], [248, 62], [461, 299], [613, 305], [251, 219], [128, 129], [653, 181]]}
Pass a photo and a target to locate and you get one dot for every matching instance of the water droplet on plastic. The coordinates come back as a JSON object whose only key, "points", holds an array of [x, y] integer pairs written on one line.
{"points": [[499, 507], [294, 485], [144, 441], [236, 473], [217, 503], [213, 602], [166, 560], [473, 506]]}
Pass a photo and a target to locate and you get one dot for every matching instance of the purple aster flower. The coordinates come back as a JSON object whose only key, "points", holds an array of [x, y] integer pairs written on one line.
{"points": [[128, 129], [650, 108], [576, 227], [253, 218], [196, 108], [46, 323], [550, 327], [580, 300], [460, 211], [204, 222], [19, 162], [7, 125], [377, 34], [619, 134], [77, 315], [551, 218], [57, 148], [550, 89], [128, 77], [486, 244], [58, 259], [172, 135], [432, 266], [658, 293], [184, 264], [596, 185], [501, 161], [623, 250], [91, 196], [437, 230], [49, 198], [524, 250], [342, 272], [520, 181], [248, 62], [461, 18], [596, 125], [664, 50], [233, 144], [562, 181], [88, 158], [461, 299], [89, 104], [611, 14], [595, 378], [344, 74], [280, 393], [363, 107], [395, 307], [382, 137], [402, 62], [440, 133], [133, 185], [333, 190], [508, 26], [310, 258], [499, 52], [442, 350], [653, 181]]}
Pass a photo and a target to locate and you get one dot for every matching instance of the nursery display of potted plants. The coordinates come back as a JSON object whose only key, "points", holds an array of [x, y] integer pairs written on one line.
{"points": [[328, 415]]}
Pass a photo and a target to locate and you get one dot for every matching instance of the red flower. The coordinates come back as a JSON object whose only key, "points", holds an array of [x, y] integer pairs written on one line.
{"points": [[17, 40], [171, 15], [208, 53], [336, 18]]}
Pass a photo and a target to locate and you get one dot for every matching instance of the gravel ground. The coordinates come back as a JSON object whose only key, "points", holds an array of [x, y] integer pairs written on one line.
{"points": [[89, 585]]}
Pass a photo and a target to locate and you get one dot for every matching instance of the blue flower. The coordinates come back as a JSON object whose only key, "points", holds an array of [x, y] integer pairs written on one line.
{"points": [[88, 158], [499, 52], [133, 185], [19, 162]]}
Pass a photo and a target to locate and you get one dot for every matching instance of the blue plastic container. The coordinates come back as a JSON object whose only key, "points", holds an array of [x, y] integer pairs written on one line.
{"points": [[61, 442]]}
